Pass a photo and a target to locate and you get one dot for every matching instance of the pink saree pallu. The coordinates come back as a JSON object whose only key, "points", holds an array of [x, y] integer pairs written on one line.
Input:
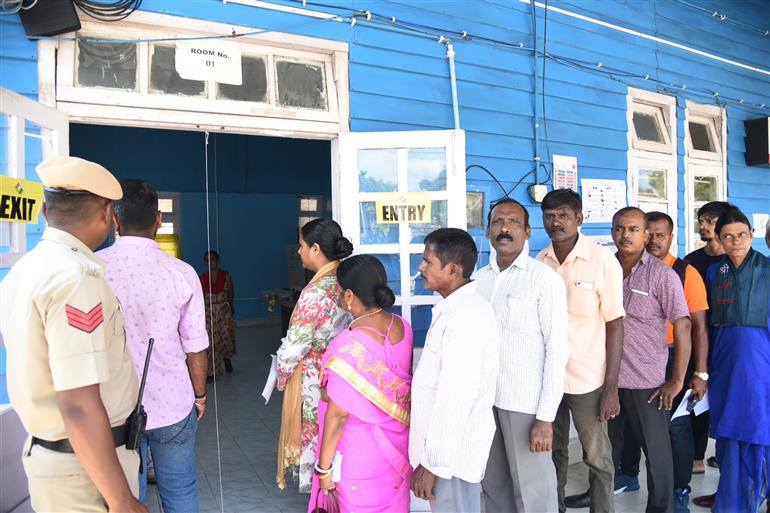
{"points": [[372, 382]]}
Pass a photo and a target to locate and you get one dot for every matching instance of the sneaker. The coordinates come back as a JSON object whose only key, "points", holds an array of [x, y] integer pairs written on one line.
{"points": [[626, 483], [682, 500]]}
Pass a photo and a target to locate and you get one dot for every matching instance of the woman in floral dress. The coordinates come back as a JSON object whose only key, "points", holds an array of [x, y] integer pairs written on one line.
{"points": [[317, 318], [219, 294]]}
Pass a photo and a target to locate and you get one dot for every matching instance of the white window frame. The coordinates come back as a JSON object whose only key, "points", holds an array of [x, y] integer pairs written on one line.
{"points": [[704, 163], [156, 110], [54, 128], [650, 154], [346, 207]]}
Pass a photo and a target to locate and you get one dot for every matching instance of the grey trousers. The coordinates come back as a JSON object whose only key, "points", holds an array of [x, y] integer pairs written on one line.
{"points": [[517, 480], [455, 496], [597, 450]]}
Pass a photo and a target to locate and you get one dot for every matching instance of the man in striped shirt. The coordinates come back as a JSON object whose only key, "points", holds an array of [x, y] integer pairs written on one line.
{"points": [[530, 303]]}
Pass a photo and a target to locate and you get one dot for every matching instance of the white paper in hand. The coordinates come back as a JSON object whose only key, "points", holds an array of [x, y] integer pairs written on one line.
{"points": [[700, 406], [337, 468], [272, 379]]}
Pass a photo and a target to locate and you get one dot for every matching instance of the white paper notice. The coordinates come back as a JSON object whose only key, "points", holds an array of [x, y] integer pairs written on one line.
{"points": [[272, 379], [564, 172], [760, 225], [601, 199], [219, 61], [337, 467], [700, 406]]}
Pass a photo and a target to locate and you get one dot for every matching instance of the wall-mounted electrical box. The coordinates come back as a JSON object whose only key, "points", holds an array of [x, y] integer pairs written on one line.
{"points": [[758, 142]]}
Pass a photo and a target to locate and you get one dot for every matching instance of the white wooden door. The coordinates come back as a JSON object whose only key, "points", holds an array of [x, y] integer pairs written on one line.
{"points": [[34, 133], [370, 163]]}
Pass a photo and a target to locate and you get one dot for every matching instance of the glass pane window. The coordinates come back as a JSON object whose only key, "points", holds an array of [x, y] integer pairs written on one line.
{"points": [[301, 84], [705, 189], [377, 171], [426, 168], [392, 271], [701, 137], [474, 206], [253, 87], [652, 183], [373, 232], [110, 65], [165, 79], [647, 127], [166, 228], [421, 317], [438, 220]]}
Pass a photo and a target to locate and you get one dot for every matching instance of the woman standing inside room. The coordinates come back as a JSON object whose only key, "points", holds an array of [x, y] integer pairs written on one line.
{"points": [[316, 319], [219, 293], [365, 406]]}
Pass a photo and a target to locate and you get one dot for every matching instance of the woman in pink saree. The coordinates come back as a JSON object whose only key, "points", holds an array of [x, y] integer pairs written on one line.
{"points": [[365, 399]]}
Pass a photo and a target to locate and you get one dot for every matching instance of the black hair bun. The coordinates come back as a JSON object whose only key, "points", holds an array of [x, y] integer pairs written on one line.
{"points": [[343, 247], [384, 297]]}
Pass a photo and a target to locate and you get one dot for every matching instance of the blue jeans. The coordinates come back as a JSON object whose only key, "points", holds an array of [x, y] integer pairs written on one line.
{"points": [[173, 453]]}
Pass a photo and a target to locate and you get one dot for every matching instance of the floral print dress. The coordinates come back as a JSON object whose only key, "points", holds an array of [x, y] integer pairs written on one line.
{"points": [[316, 320]]}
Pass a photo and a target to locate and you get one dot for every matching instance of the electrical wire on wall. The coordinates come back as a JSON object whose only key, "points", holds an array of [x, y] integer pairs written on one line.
{"points": [[15, 6], [115, 11]]}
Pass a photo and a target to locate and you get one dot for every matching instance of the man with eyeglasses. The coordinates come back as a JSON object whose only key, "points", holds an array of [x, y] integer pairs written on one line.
{"points": [[739, 393], [701, 259]]}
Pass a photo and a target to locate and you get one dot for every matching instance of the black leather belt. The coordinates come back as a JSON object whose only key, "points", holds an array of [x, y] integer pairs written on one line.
{"points": [[118, 437]]}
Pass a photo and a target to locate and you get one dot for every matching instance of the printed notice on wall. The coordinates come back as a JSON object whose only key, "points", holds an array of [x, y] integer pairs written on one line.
{"points": [[20, 200], [565, 172], [601, 199], [760, 222], [219, 61], [403, 207]]}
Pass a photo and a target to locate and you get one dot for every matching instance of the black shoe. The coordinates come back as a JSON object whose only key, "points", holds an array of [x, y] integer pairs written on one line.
{"points": [[712, 462], [578, 501]]}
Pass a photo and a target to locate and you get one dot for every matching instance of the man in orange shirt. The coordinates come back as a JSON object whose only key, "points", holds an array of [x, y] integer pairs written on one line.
{"points": [[661, 228]]}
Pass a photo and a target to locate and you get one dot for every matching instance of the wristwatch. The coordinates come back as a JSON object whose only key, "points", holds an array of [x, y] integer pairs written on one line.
{"points": [[702, 375]]}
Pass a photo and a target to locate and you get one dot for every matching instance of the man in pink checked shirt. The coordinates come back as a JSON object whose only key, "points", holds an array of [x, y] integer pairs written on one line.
{"points": [[161, 298]]}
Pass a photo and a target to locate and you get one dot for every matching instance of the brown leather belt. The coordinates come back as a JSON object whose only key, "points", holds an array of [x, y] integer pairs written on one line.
{"points": [[118, 437]]}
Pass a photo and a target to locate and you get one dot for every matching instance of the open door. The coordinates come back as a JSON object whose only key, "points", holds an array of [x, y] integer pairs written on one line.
{"points": [[373, 163], [34, 133]]}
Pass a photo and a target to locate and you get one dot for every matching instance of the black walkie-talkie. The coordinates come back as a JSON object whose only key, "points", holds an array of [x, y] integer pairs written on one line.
{"points": [[136, 422]]}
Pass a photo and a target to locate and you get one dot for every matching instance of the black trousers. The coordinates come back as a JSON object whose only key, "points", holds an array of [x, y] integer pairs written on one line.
{"points": [[682, 445], [650, 426]]}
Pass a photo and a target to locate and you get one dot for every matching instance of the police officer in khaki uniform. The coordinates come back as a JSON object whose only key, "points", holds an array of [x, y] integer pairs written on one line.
{"points": [[70, 377]]}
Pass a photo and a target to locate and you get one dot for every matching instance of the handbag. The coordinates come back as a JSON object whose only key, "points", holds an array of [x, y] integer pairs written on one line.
{"points": [[332, 504]]}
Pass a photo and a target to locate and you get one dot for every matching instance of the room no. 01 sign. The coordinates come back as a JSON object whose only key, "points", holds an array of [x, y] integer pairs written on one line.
{"points": [[219, 61]]}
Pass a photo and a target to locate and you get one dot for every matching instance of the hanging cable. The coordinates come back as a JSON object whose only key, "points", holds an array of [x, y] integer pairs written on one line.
{"points": [[14, 6], [213, 330], [116, 11]]}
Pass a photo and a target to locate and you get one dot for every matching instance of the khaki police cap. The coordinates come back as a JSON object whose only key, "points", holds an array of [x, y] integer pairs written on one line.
{"points": [[76, 174]]}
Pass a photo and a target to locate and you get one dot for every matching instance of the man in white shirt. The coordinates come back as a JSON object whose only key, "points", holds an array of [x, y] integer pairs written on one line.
{"points": [[530, 303], [454, 384]]}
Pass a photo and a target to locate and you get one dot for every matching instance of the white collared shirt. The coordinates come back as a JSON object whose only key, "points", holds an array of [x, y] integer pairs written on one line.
{"points": [[530, 303], [453, 389]]}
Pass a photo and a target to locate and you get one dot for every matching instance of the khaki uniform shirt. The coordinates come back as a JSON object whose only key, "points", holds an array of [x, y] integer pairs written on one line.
{"points": [[63, 329]]}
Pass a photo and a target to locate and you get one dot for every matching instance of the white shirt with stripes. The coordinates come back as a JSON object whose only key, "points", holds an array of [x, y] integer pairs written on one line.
{"points": [[530, 303]]}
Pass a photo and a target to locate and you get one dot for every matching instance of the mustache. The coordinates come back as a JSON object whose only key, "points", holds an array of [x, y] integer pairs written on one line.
{"points": [[504, 236], [625, 242], [653, 246]]}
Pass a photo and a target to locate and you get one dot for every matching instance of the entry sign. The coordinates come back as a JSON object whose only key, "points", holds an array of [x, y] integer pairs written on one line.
{"points": [[403, 207], [215, 60], [20, 200]]}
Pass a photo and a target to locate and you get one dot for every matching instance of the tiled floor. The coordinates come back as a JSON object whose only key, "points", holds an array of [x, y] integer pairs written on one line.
{"points": [[248, 431]]}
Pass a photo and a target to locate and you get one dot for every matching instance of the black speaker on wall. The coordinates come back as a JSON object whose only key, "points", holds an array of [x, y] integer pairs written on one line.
{"points": [[50, 18]]}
